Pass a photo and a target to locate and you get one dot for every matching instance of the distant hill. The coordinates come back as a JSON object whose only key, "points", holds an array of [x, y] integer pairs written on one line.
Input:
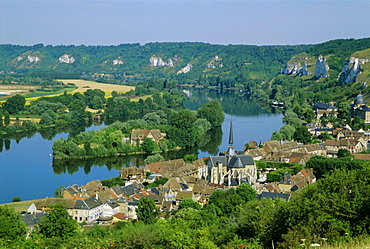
{"points": [[334, 70], [184, 61]]}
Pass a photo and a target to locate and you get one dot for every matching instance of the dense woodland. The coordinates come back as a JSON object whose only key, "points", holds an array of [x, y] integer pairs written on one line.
{"points": [[332, 211]]}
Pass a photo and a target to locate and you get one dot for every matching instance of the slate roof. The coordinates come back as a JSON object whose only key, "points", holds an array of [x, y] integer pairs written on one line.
{"points": [[32, 219], [88, 203], [238, 161], [323, 106], [112, 204], [133, 203], [126, 190]]}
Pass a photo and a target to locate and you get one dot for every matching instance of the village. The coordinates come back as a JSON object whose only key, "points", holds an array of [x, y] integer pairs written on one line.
{"points": [[94, 203]]}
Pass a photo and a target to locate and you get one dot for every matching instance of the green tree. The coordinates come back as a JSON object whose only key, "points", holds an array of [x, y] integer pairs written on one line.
{"points": [[154, 158], [16, 199], [189, 203], [246, 192], [212, 111], [302, 135], [12, 228], [291, 118], [184, 119], [15, 104], [308, 114], [148, 145], [6, 118], [58, 193], [58, 223], [190, 158], [113, 181], [344, 153], [147, 211], [343, 110]]}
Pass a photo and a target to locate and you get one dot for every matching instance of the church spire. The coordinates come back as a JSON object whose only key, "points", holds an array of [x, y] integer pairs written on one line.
{"points": [[231, 138], [230, 150]]}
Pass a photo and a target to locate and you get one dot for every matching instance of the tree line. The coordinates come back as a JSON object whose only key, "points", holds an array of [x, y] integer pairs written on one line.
{"points": [[183, 128]]}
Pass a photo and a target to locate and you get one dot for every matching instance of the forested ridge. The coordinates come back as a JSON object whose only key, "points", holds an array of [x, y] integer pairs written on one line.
{"points": [[260, 62]]}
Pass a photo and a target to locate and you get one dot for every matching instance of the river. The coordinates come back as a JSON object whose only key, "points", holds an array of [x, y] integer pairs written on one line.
{"points": [[26, 169]]}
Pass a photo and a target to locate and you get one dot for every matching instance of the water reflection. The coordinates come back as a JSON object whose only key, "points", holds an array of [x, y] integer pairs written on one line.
{"points": [[46, 133], [233, 102], [72, 166], [208, 143]]}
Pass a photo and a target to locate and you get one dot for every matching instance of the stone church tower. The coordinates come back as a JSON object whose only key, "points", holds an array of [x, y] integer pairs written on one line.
{"points": [[230, 169]]}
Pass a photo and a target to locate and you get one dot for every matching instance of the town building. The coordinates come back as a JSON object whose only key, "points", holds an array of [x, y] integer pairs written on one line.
{"points": [[359, 108], [230, 169], [322, 109], [138, 135]]}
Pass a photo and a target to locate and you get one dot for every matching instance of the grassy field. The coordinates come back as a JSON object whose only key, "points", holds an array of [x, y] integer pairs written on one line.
{"points": [[19, 206], [84, 85]]}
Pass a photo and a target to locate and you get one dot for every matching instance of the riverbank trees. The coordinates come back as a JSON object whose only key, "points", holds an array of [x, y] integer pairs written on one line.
{"points": [[183, 128]]}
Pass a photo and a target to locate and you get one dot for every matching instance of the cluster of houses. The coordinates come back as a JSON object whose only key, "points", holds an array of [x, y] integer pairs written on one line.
{"points": [[94, 202]]}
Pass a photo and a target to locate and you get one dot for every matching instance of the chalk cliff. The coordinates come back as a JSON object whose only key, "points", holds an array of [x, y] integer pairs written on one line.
{"points": [[156, 61], [66, 58], [32, 58], [117, 62], [351, 69], [186, 69], [303, 71], [211, 64], [322, 68]]}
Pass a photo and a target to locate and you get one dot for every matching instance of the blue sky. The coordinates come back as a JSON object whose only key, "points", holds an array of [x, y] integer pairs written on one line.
{"points": [[254, 22]]}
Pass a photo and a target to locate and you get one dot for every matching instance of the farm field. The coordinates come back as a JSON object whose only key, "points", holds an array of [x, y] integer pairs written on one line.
{"points": [[84, 85]]}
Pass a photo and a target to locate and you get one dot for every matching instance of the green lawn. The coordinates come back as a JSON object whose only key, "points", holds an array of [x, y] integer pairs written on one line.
{"points": [[19, 206], [41, 94]]}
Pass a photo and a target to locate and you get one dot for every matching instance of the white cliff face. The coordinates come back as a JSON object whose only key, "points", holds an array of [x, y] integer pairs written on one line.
{"points": [[322, 68], [32, 58], [351, 69], [186, 69], [303, 70], [169, 63], [212, 62], [66, 58], [156, 61], [291, 68], [117, 62]]}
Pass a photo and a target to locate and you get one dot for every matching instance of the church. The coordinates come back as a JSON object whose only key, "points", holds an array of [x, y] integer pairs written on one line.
{"points": [[360, 108], [230, 169]]}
